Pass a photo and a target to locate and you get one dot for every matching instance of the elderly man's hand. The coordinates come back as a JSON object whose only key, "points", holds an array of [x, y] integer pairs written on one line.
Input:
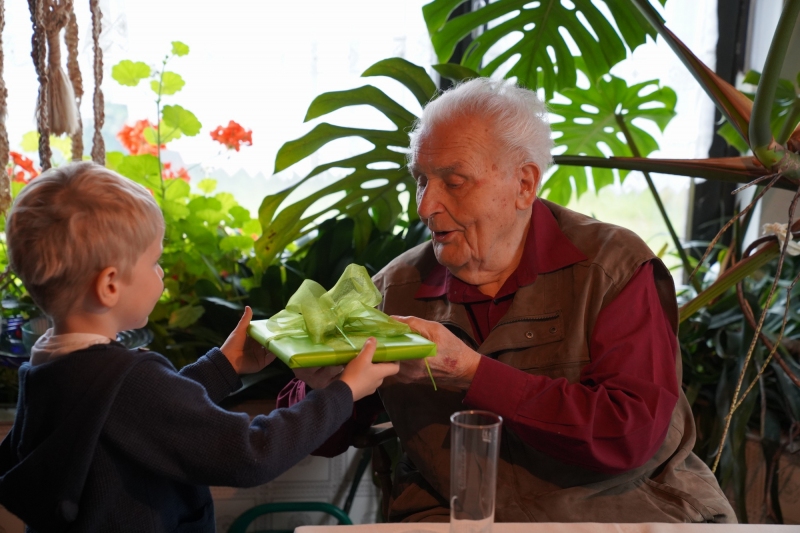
{"points": [[454, 365]]}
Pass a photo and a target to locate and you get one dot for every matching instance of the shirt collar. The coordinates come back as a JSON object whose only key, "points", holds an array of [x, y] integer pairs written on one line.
{"points": [[547, 249]]}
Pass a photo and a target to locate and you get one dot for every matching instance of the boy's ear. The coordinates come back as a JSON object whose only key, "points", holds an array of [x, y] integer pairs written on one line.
{"points": [[107, 287]]}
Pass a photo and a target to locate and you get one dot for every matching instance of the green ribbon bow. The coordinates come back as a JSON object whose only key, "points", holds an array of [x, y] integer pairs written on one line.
{"points": [[349, 307]]}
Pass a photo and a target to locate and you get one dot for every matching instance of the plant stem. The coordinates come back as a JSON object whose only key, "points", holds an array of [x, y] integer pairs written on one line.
{"points": [[792, 118], [158, 129], [687, 268], [760, 131], [757, 333]]}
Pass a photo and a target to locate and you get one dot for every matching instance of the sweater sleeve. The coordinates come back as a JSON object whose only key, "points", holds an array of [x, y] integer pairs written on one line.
{"points": [[365, 412], [616, 417], [169, 424], [214, 372]]}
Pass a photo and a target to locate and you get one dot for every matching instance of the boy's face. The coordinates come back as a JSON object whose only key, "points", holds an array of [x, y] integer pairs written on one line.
{"points": [[144, 288]]}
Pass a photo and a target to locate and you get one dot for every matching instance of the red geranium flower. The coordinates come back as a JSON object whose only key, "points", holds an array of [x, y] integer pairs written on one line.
{"points": [[21, 169], [233, 136], [132, 138], [170, 174]]}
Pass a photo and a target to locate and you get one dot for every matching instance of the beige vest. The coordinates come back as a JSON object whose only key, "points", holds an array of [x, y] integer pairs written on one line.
{"points": [[546, 332]]}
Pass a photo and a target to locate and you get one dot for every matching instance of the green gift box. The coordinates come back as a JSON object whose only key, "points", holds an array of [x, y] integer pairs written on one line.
{"points": [[302, 352], [325, 328]]}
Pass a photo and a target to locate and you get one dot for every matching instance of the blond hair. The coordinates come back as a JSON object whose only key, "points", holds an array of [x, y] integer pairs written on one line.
{"points": [[70, 223]]}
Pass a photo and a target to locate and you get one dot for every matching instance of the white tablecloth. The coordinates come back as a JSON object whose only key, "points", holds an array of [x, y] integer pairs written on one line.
{"points": [[558, 528]]}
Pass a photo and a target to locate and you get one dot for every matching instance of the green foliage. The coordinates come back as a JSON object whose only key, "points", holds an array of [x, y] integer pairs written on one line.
{"points": [[591, 125], [126, 72], [180, 119], [539, 26], [171, 83], [369, 192], [787, 98], [714, 343], [179, 49]]}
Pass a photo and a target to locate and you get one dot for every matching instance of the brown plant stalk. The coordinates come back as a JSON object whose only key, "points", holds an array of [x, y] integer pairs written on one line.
{"points": [[737, 216], [756, 336]]}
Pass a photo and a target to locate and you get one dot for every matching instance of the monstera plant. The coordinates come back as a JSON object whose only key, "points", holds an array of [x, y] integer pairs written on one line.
{"points": [[546, 44]]}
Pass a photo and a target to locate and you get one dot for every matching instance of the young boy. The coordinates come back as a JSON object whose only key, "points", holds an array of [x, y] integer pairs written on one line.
{"points": [[111, 439]]}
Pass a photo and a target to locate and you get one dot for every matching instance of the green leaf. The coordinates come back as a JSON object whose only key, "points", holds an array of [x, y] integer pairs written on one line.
{"points": [[366, 95], [30, 142], [785, 98], [227, 201], [412, 76], [143, 169], [185, 316], [242, 243], [113, 159], [541, 26], [126, 72], [179, 118], [731, 277], [732, 137], [170, 83], [455, 72], [176, 189], [179, 49], [167, 134], [207, 185], [297, 150], [593, 119], [175, 209], [239, 214], [372, 177], [362, 231], [251, 227], [62, 144]]}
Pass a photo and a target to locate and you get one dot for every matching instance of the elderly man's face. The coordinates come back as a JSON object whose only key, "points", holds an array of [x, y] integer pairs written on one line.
{"points": [[473, 196]]}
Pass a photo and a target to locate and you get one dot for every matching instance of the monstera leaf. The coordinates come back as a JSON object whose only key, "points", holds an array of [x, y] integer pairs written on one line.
{"points": [[604, 115], [541, 25], [369, 192], [784, 112]]}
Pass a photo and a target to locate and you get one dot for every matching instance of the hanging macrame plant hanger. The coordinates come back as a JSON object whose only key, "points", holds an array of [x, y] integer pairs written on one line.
{"points": [[60, 93]]}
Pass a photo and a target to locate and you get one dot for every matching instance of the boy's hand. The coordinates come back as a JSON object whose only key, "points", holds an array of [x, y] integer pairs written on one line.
{"points": [[245, 354], [362, 376]]}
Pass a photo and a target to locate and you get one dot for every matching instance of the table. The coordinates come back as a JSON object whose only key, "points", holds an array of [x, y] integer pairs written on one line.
{"points": [[558, 528]]}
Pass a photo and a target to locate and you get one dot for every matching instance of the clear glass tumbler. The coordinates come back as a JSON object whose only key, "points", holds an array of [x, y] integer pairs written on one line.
{"points": [[474, 442]]}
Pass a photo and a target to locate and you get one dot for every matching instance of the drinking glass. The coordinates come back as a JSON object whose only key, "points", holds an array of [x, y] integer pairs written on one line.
{"points": [[474, 442]]}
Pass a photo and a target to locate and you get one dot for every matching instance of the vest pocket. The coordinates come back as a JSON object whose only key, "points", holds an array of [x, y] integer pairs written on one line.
{"points": [[528, 342], [690, 508]]}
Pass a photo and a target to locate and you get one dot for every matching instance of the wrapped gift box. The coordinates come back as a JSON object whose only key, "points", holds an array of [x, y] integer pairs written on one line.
{"points": [[302, 352]]}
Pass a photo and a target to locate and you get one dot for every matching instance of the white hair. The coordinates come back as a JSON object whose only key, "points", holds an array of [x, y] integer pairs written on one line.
{"points": [[518, 115]]}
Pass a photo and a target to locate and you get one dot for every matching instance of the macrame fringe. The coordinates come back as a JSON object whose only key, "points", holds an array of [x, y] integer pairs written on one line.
{"points": [[5, 179], [39, 53], [60, 95], [71, 39], [98, 145]]}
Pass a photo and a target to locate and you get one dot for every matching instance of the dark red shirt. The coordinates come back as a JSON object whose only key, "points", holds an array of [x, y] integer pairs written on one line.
{"points": [[616, 417]]}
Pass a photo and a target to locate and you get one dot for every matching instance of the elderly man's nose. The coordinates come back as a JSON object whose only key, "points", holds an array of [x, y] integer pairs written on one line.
{"points": [[428, 201]]}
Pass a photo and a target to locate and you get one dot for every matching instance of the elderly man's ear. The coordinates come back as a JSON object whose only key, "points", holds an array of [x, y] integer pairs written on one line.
{"points": [[528, 176]]}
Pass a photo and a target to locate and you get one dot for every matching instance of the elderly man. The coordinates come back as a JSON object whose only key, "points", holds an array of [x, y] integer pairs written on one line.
{"points": [[563, 325]]}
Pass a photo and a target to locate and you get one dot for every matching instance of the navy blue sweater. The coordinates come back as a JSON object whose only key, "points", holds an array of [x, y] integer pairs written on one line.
{"points": [[114, 440]]}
